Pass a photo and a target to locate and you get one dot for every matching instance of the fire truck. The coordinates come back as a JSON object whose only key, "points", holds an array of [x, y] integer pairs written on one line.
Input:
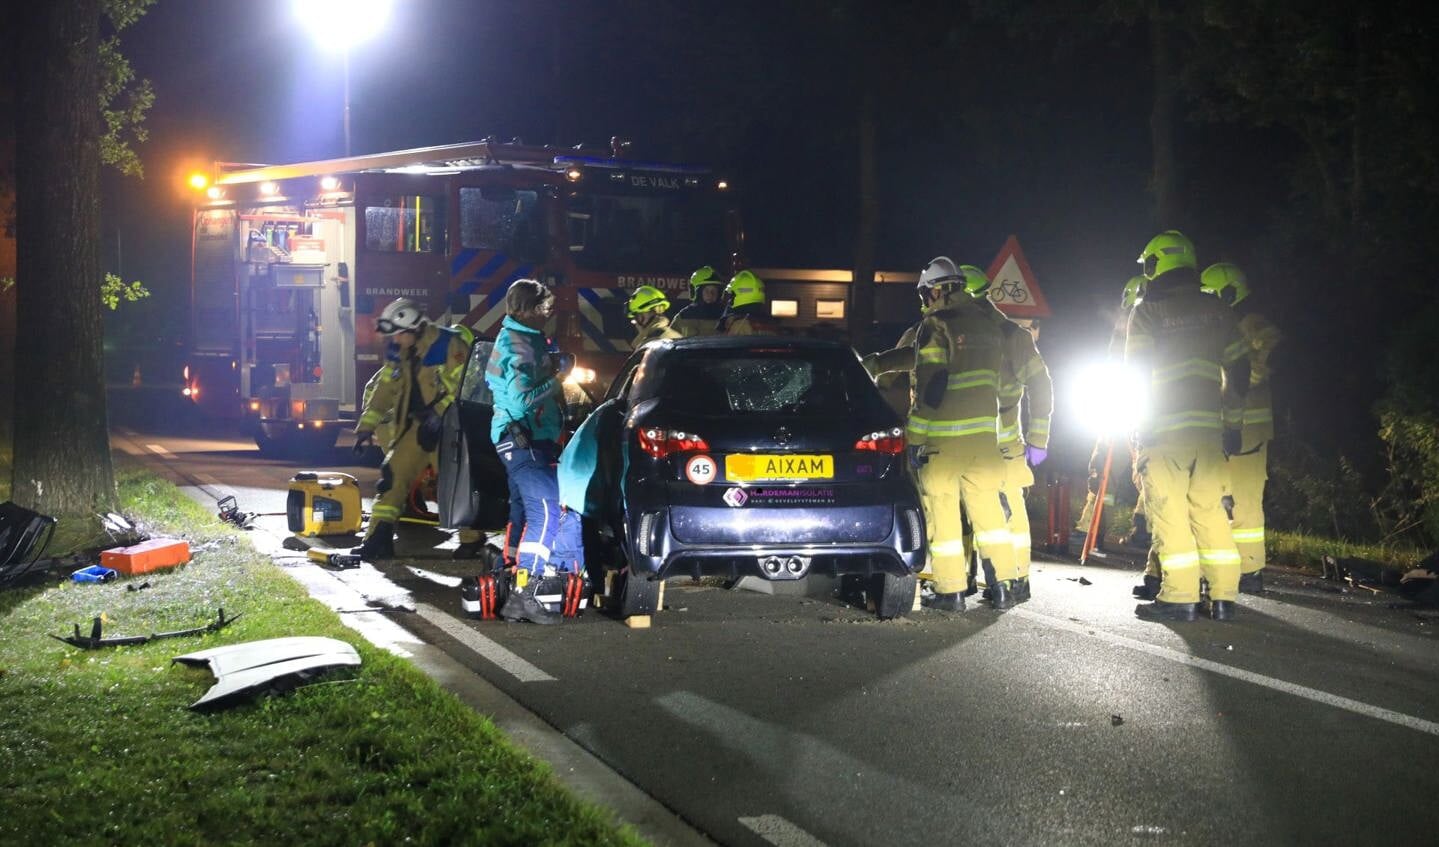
{"points": [[292, 263]]}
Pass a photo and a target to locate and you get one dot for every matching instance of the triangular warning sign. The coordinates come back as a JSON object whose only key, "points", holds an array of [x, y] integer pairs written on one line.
{"points": [[1012, 286]]}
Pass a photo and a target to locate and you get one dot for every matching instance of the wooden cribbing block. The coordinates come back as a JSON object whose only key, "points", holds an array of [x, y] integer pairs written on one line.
{"points": [[638, 621], [153, 555]]}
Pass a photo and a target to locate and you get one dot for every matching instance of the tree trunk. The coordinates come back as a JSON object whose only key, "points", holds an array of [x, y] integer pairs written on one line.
{"points": [[62, 449], [1165, 180], [861, 292]]}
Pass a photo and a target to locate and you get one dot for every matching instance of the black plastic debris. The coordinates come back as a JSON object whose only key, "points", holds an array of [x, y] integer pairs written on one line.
{"points": [[24, 535], [95, 640]]}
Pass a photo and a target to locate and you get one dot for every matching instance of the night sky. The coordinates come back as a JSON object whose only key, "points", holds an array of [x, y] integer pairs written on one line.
{"points": [[983, 132]]}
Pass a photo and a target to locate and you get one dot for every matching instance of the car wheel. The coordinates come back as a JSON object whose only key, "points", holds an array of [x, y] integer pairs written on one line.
{"points": [[894, 595], [629, 596]]}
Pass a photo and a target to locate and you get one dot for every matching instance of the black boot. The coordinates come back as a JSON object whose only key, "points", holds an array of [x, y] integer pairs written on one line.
{"points": [[379, 545], [1251, 583], [943, 602], [1162, 611], [521, 605], [1021, 590], [1221, 610], [1149, 590], [999, 594]]}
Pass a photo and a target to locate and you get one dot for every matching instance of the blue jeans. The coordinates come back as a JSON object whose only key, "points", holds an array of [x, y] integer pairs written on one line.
{"points": [[552, 534]]}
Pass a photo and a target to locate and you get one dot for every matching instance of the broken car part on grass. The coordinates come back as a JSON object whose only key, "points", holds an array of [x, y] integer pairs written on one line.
{"points": [[95, 641], [275, 665], [24, 535]]}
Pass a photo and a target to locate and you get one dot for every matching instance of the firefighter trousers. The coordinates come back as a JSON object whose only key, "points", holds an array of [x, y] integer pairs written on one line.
{"points": [[1018, 477], [403, 464], [965, 473], [1183, 485], [1247, 475]]}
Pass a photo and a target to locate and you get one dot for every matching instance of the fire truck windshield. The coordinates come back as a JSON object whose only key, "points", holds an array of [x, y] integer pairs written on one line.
{"points": [[661, 233]]}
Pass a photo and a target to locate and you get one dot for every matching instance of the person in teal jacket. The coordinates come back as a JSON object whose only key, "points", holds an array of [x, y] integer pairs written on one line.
{"points": [[525, 379]]}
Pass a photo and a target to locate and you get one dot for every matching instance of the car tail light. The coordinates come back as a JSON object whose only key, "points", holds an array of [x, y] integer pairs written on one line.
{"points": [[888, 441], [662, 442]]}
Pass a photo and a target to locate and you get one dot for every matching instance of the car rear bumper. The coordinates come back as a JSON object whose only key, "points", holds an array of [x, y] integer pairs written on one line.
{"points": [[656, 550]]}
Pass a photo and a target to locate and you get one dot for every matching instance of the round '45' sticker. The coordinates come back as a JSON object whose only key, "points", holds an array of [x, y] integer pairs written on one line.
{"points": [[700, 470]]}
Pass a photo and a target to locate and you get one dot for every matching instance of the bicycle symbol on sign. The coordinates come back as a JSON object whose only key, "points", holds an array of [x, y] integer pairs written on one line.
{"points": [[1009, 290]]}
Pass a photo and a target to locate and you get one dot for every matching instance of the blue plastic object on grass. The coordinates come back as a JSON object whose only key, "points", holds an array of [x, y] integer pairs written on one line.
{"points": [[94, 573]]}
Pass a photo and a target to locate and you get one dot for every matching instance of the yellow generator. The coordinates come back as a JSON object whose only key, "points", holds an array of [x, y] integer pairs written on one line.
{"points": [[323, 503]]}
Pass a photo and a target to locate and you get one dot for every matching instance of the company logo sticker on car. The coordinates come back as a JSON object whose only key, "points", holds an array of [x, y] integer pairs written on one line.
{"points": [[701, 470], [736, 497]]}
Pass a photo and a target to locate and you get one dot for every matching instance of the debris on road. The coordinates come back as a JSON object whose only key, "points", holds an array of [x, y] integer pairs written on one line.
{"points": [[437, 578], [1116, 720], [95, 640], [1421, 584], [1079, 579]]}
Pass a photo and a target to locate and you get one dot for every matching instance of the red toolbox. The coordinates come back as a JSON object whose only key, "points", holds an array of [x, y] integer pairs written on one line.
{"points": [[153, 555]]}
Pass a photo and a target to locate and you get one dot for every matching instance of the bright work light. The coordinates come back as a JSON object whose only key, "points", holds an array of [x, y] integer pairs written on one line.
{"points": [[199, 181], [342, 24], [1110, 398]]}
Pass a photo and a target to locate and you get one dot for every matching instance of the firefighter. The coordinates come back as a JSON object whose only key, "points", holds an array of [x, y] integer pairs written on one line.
{"points": [[952, 434], [525, 379], [647, 309], [706, 305], [1248, 469], [415, 388], [1187, 347], [1023, 377], [746, 310]]}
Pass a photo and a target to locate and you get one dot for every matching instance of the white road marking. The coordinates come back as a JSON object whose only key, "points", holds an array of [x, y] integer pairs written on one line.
{"points": [[780, 832], [507, 661], [161, 451], [1314, 694]]}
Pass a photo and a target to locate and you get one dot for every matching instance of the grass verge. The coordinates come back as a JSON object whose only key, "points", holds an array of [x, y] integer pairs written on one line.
{"points": [[1307, 551], [100, 746]]}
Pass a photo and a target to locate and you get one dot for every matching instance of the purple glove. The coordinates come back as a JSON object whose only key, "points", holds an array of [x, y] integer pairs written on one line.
{"points": [[1036, 455]]}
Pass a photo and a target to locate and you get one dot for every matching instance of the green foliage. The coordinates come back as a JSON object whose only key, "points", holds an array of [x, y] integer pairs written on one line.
{"points": [[123, 99], [1409, 427], [1314, 494], [114, 289]]}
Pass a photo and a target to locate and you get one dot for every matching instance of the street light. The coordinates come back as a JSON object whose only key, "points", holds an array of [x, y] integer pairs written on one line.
{"points": [[340, 25]]}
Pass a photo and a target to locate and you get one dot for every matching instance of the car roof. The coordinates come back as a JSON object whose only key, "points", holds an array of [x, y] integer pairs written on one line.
{"points": [[748, 342]]}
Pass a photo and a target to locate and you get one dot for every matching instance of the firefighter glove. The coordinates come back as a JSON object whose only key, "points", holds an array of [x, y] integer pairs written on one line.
{"points": [[431, 426], [1233, 442], [917, 456], [363, 438], [1036, 455]]}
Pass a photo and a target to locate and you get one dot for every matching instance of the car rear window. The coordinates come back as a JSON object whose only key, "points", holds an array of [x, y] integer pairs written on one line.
{"points": [[791, 382]]}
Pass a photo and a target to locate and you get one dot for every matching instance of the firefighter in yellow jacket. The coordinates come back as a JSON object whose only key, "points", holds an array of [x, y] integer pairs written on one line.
{"points": [[647, 309], [1025, 387], [415, 389], [706, 305], [1187, 346], [952, 434], [1248, 469]]}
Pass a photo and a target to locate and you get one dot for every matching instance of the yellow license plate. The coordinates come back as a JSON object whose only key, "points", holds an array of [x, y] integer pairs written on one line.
{"points": [[754, 467]]}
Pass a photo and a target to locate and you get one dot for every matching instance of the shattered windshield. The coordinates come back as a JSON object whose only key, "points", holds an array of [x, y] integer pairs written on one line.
{"points": [[786, 382]]}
